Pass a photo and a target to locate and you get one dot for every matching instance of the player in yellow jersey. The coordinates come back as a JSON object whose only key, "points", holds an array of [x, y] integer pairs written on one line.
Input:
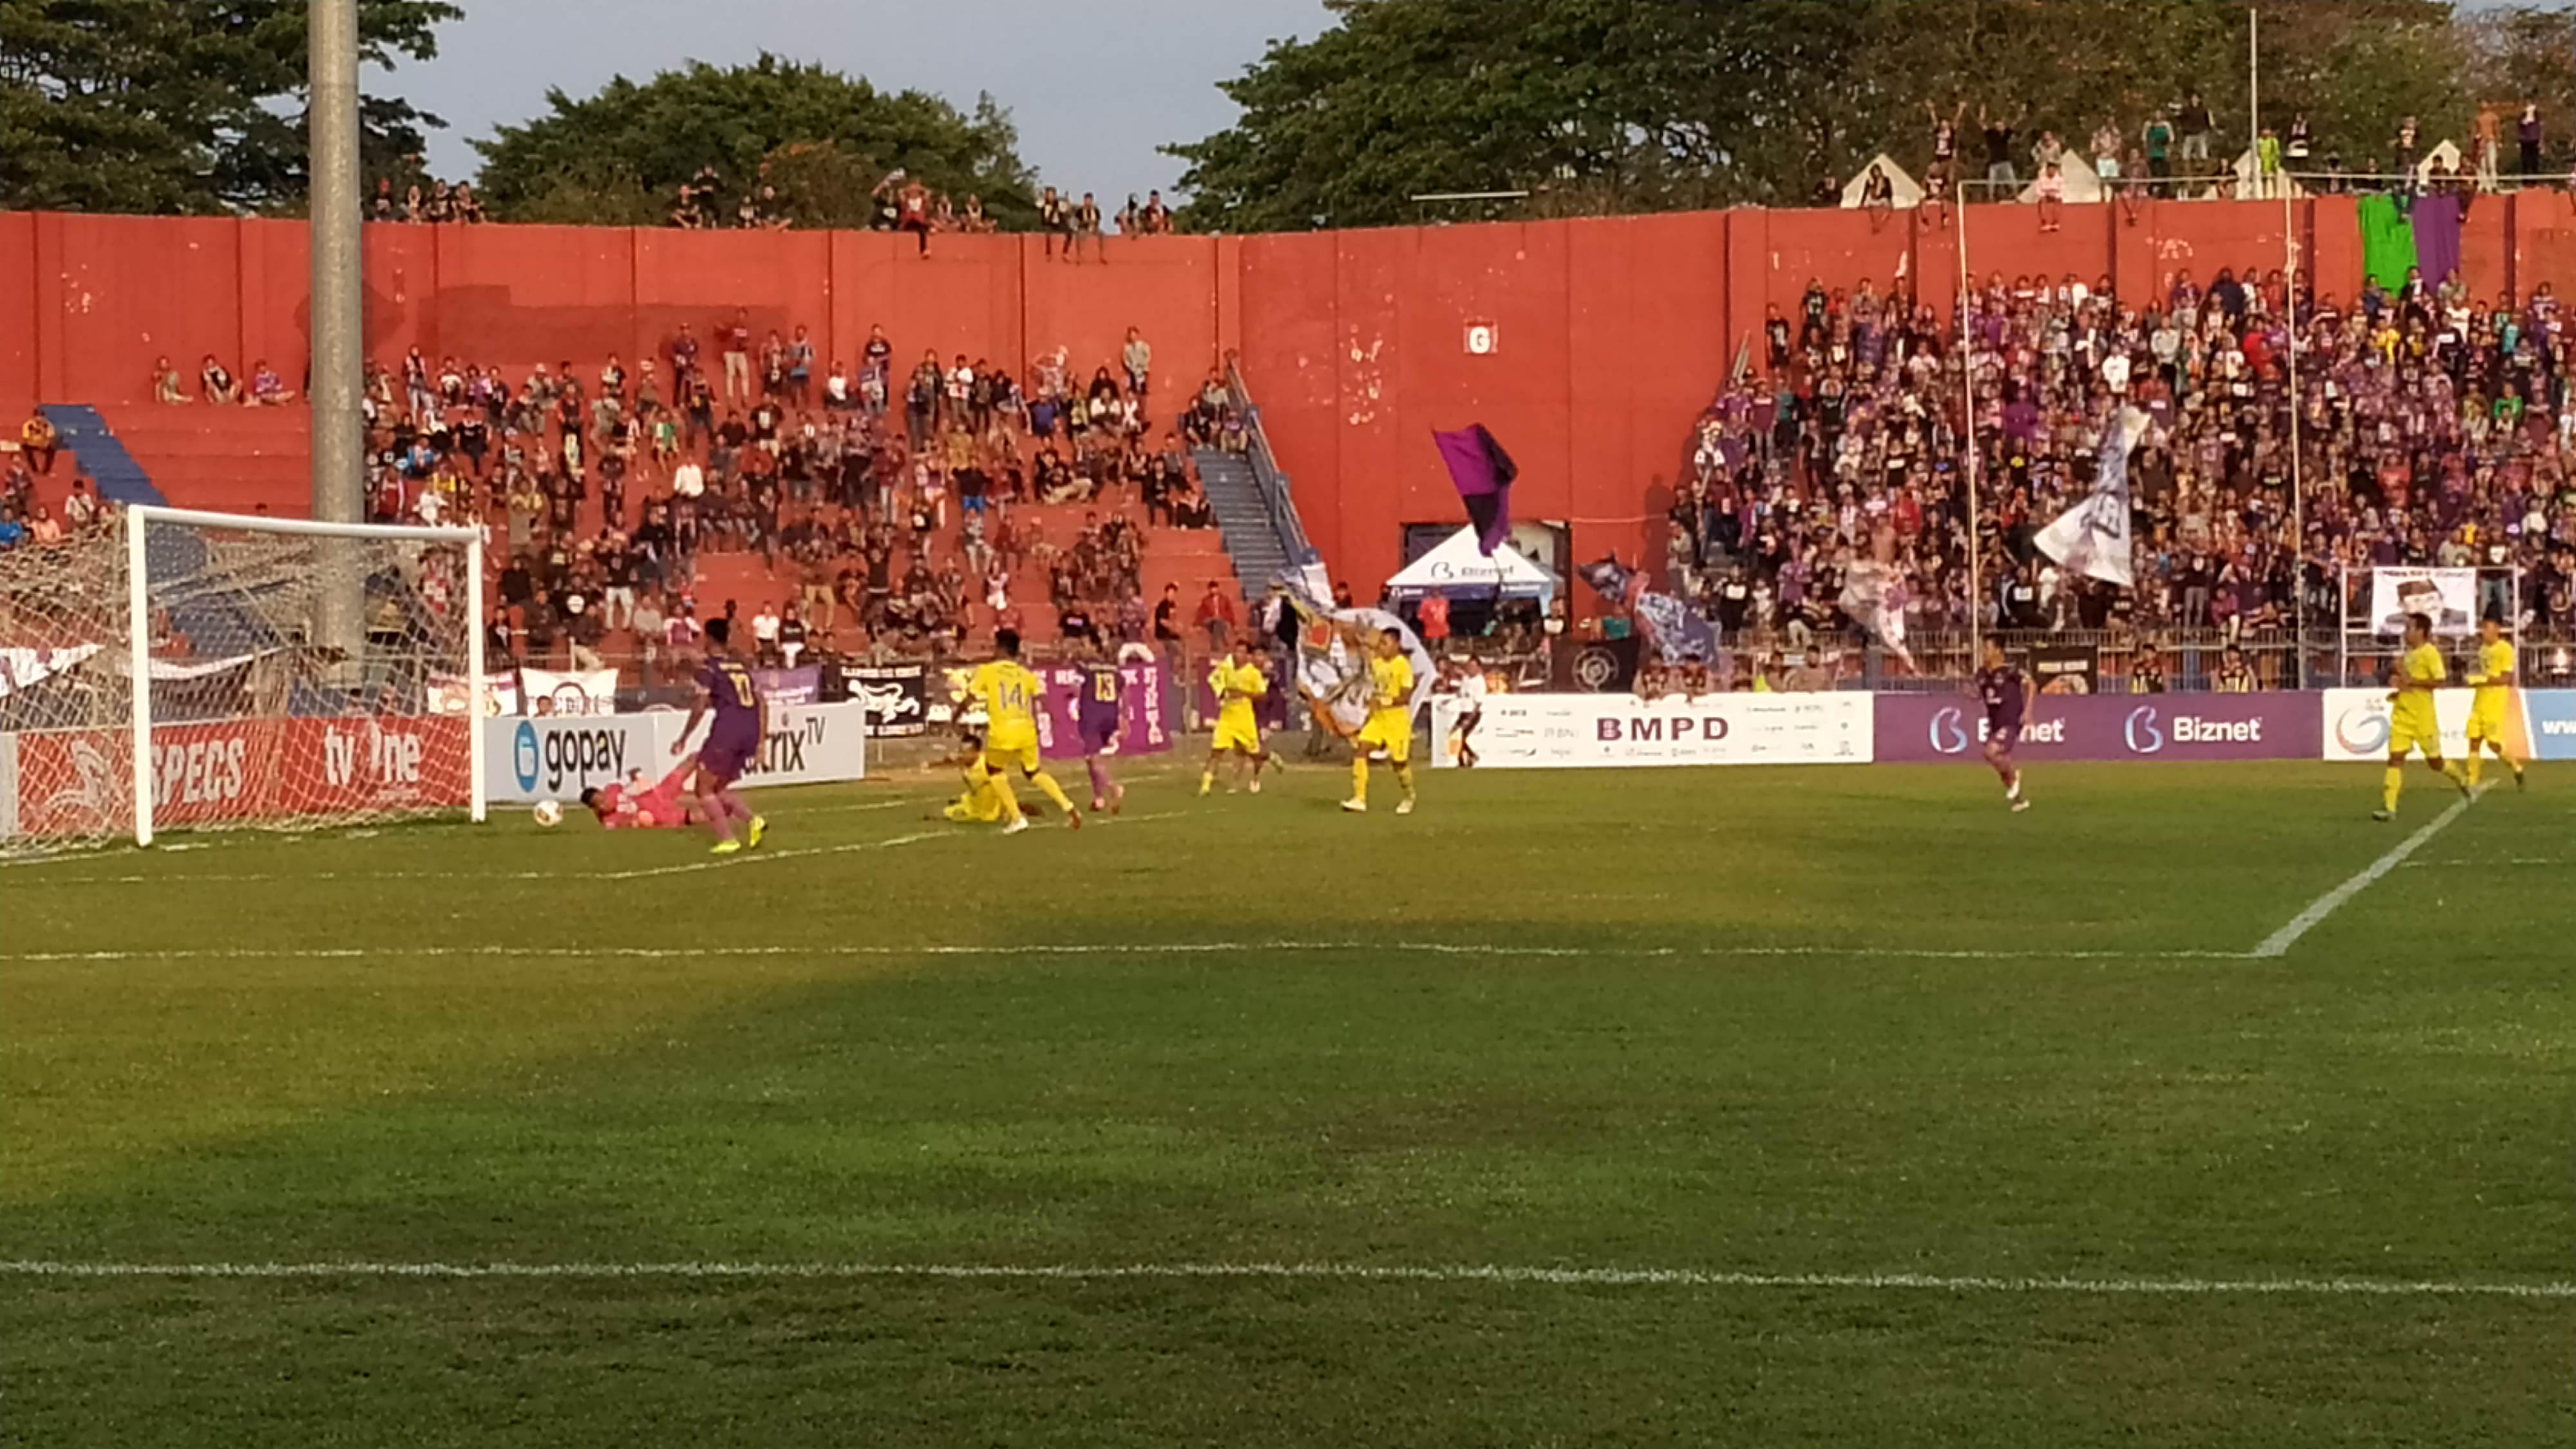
{"points": [[2412, 723], [1390, 723], [1011, 695], [2491, 712], [1238, 682]]}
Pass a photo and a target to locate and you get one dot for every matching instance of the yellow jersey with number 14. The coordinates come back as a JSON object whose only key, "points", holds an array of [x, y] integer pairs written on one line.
{"points": [[1009, 694]]}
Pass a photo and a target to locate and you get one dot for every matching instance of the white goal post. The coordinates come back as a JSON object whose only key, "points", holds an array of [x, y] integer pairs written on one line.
{"points": [[192, 670]]}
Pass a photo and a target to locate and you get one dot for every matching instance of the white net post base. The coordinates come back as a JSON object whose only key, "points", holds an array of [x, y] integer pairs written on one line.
{"points": [[288, 673]]}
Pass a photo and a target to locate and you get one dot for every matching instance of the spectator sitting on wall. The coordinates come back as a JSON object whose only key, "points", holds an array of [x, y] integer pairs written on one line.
{"points": [[215, 384], [167, 385]]}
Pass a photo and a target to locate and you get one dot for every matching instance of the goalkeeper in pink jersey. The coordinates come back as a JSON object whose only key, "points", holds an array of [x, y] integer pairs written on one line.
{"points": [[630, 806]]}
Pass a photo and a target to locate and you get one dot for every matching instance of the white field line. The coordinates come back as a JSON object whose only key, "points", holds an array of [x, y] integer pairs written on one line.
{"points": [[643, 873], [2497, 864], [1495, 950], [2279, 942], [951, 832], [1311, 1272]]}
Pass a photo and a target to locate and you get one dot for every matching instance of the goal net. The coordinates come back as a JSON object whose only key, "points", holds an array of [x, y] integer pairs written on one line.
{"points": [[196, 671]]}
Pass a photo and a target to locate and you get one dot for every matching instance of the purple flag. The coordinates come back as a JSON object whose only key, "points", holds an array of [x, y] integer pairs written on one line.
{"points": [[2437, 237], [1483, 473]]}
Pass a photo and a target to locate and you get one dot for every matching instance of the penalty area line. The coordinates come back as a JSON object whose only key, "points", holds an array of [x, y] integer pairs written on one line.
{"points": [[1462, 1273], [2279, 942]]}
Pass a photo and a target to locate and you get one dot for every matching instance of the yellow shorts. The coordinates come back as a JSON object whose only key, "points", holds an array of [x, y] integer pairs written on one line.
{"points": [[1390, 730], [2414, 730], [1241, 735], [2487, 720], [1015, 755]]}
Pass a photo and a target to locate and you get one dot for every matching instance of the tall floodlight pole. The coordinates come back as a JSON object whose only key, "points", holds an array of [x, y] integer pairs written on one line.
{"points": [[2254, 93], [337, 308], [1968, 394]]}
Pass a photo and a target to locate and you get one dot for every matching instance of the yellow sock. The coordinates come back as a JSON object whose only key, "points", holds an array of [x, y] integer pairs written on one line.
{"points": [[1404, 777], [2390, 785], [1001, 784], [1207, 779], [1053, 791], [1359, 779], [2475, 761]]}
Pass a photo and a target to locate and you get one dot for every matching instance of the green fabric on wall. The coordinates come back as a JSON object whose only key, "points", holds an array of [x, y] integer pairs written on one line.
{"points": [[2387, 242]]}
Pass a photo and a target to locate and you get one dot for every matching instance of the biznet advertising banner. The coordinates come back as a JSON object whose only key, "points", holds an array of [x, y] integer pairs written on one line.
{"points": [[1930, 728], [1568, 731]]}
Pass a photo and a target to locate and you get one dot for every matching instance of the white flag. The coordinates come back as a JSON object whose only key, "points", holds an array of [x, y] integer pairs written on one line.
{"points": [[2092, 538]]}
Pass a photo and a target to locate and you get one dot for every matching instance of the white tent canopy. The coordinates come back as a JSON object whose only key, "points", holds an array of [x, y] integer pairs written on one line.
{"points": [[1903, 188], [2083, 183], [2445, 154], [1456, 567]]}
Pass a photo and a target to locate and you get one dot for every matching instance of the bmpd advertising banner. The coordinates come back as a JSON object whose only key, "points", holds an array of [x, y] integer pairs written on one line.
{"points": [[2355, 723], [1930, 728], [1571, 731]]}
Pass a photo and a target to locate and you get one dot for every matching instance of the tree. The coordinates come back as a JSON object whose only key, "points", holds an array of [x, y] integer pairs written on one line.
{"points": [[1641, 105], [808, 132], [182, 105]]}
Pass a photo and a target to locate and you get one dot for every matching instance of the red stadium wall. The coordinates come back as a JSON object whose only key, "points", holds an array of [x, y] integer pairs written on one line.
{"points": [[1611, 333]]}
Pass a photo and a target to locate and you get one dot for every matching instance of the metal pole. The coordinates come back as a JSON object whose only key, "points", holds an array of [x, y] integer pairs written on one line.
{"points": [[2254, 92], [339, 437], [1968, 394], [2343, 624], [138, 663], [2298, 496]]}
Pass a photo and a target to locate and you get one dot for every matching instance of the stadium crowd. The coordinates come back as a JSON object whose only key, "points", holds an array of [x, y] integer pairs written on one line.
{"points": [[2434, 428], [891, 507]]}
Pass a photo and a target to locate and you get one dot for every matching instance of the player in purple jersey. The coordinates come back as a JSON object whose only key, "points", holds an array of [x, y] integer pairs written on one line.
{"points": [[2006, 693], [726, 689], [1096, 717]]}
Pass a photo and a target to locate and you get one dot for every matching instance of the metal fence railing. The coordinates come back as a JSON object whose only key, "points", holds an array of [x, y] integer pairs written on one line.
{"points": [[1267, 475]]}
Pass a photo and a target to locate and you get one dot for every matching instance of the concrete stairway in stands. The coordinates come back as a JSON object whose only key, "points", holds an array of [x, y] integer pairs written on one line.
{"points": [[1250, 540], [231, 459], [102, 454]]}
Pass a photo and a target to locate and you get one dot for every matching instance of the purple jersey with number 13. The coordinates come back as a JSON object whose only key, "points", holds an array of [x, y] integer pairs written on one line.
{"points": [[1097, 710], [734, 735]]}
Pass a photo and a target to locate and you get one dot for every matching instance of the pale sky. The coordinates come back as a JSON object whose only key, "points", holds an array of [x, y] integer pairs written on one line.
{"points": [[1095, 86]]}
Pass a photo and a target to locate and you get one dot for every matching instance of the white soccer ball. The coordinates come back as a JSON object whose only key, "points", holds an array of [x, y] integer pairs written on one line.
{"points": [[549, 814]]}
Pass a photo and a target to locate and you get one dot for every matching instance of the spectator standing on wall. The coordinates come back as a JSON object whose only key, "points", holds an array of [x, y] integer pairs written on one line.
{"points": [[800, 368], [2195, 130], [2159, 138], [1055, 218], [36, 438], [2106, 158], [2527, 132], [2301, 143], [1999, 132], [1086, 225], [1945, 138], [684, 360]]}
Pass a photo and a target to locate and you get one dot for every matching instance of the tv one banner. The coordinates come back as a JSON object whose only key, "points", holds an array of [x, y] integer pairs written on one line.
{"points": [[1931, 728], [1576, 731]]}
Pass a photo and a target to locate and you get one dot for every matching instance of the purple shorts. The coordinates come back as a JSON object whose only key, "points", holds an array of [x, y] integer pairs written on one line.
{"points": [[1098, 735], [2002, 738], [727, 754]]}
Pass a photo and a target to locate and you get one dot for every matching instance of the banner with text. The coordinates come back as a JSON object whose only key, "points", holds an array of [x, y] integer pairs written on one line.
{"points": [[1140, 713], [2449, 597], [2355, 723], [1575, 731], [1931, 728], [237, 772]]}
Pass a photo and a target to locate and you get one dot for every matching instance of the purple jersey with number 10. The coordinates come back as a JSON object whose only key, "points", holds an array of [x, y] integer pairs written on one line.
{"points": [[1096, 713], [734, 735]]}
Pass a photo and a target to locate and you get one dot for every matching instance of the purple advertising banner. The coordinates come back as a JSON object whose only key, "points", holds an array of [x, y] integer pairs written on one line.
{"points": [[1932, 728], [1140, 711], [802, 685]]}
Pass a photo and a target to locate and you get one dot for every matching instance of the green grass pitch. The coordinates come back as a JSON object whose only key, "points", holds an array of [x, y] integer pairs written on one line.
{"points": [[1840, 1106]]}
